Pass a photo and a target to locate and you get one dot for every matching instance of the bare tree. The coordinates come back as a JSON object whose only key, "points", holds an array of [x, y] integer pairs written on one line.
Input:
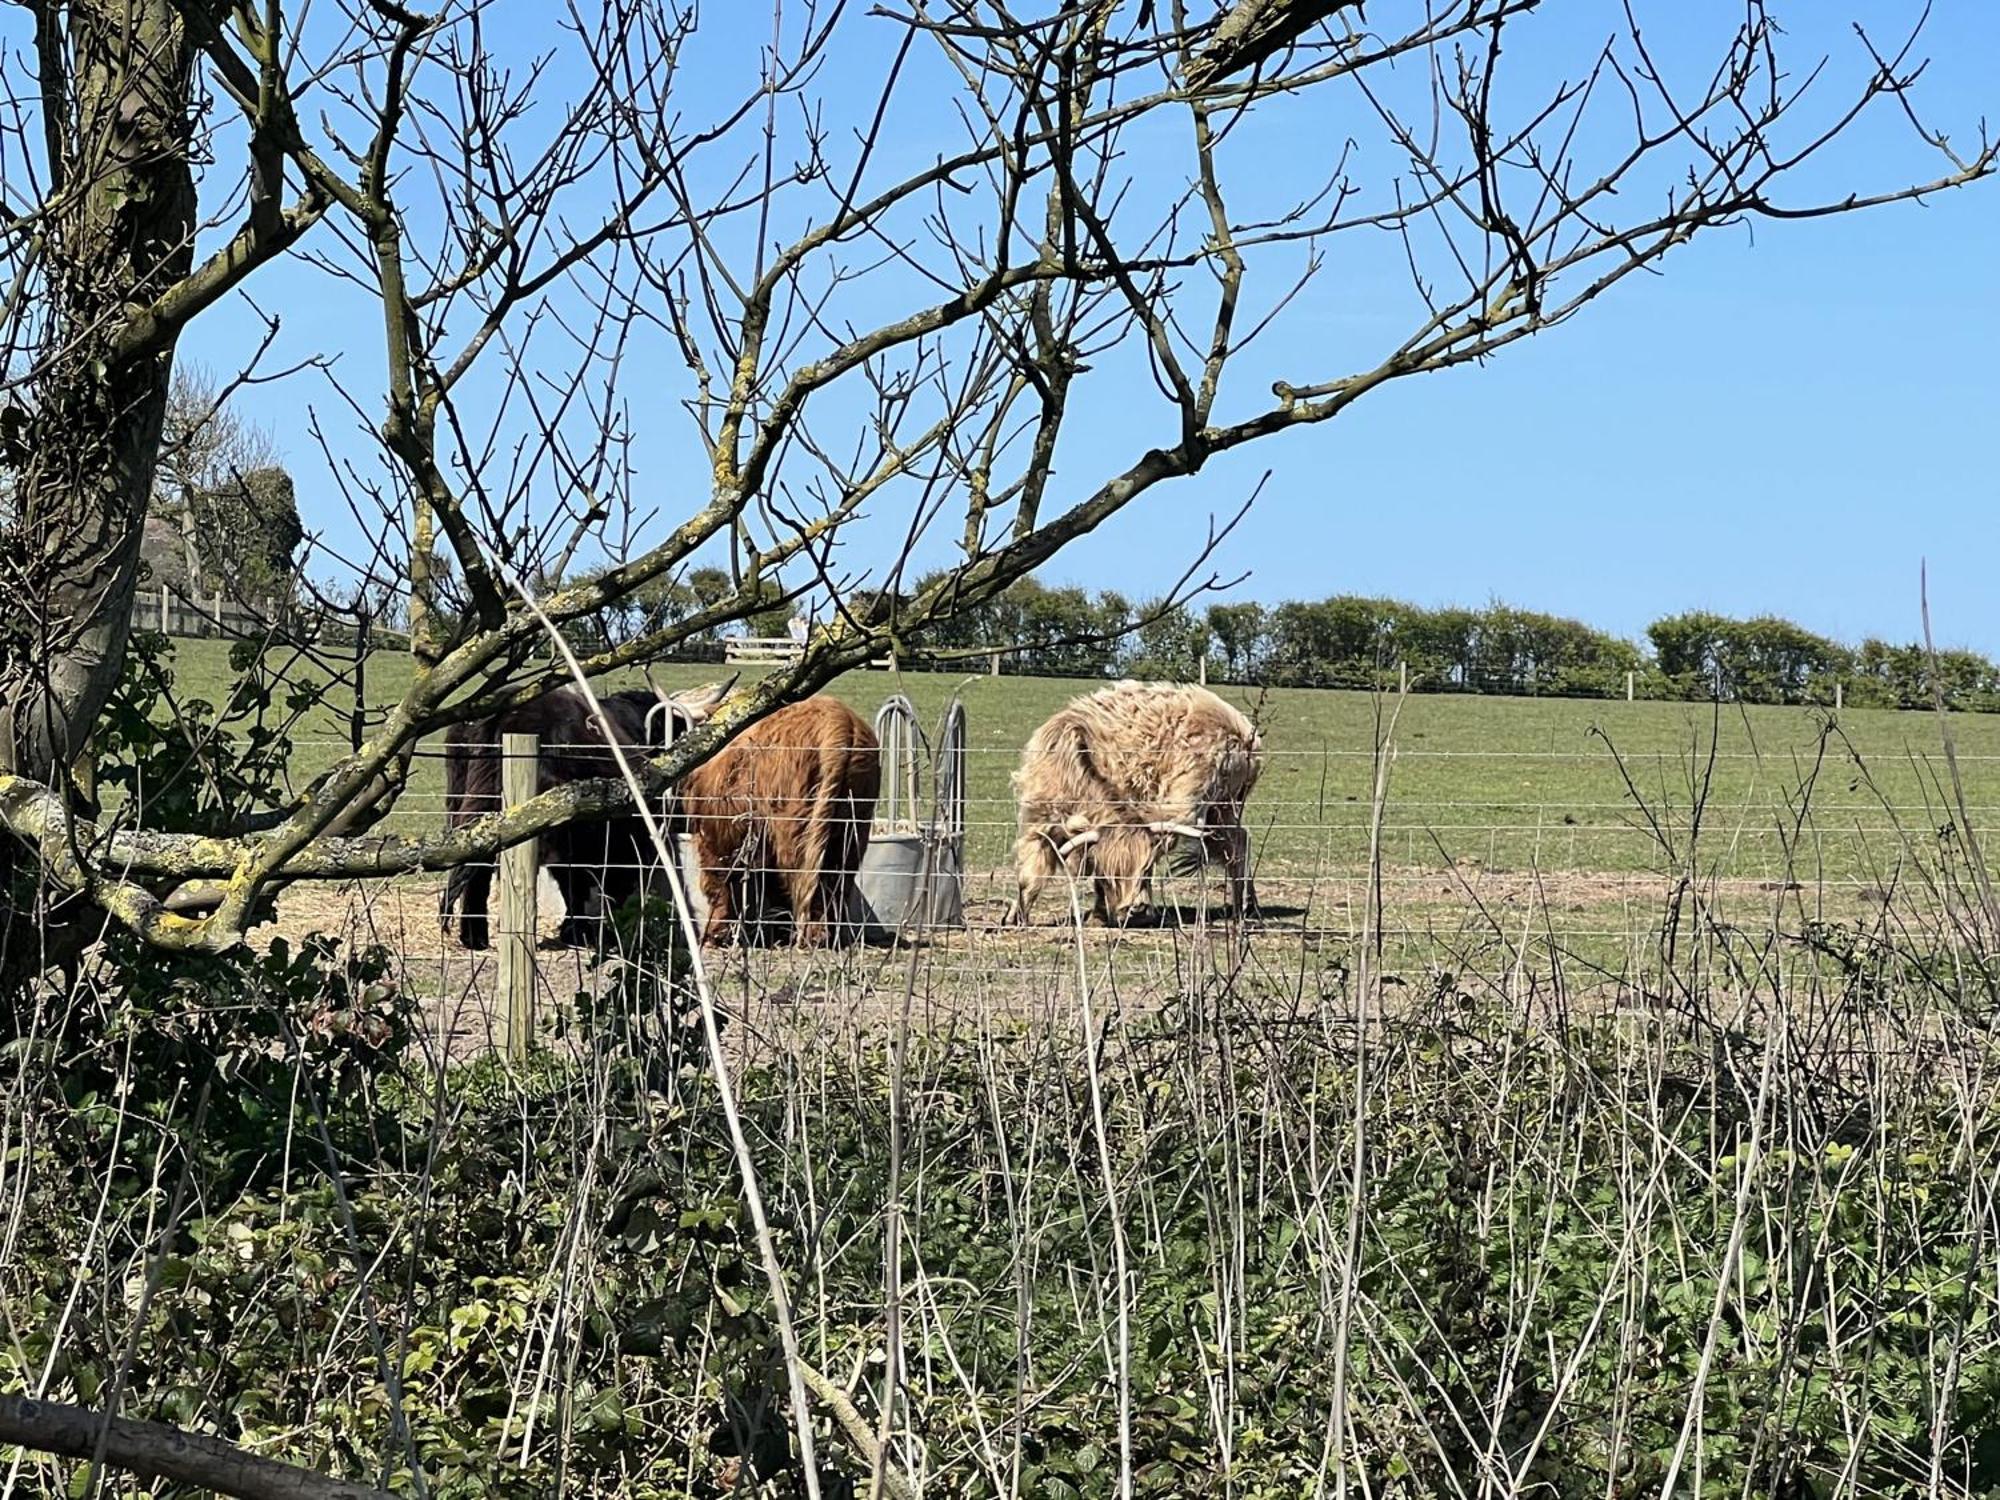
{"points": [[219, 486], [880, 352], [205, 440]]}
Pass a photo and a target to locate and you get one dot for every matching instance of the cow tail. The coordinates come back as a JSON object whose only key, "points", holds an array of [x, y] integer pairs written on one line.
{"points": [[826, 832]]}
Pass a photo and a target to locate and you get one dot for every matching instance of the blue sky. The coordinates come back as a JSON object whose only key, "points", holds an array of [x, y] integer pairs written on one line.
{"points": [[1787, 420]]}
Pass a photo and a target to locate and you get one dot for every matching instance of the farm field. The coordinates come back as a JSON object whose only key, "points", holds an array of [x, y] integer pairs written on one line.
{"points": [[1513, 784], [1512, 827]]}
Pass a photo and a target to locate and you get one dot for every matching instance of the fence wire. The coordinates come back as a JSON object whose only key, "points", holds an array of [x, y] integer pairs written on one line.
{"points": [[1545, 869]]}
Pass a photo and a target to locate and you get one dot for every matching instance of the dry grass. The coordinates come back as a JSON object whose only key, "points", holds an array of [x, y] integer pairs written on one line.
{"points": [[1474, 921]]}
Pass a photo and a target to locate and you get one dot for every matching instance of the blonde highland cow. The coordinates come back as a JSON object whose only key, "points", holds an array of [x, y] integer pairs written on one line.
{"points": [[1114, 777]]}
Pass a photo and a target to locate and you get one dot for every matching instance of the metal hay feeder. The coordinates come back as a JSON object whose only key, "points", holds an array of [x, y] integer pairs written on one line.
{"points": [[913, 875]]}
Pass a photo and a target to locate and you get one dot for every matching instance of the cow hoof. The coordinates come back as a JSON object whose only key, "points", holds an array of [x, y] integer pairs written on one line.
{"points": [[472, 935], [575, 934]]}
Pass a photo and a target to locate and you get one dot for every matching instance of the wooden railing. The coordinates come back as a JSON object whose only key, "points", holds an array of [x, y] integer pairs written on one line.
{"points": [[219, 617], [755, 648], [172, 613], [743, 649]]}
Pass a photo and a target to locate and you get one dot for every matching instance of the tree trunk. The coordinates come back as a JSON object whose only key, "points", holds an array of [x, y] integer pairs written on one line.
{"points": [[85, 443]]}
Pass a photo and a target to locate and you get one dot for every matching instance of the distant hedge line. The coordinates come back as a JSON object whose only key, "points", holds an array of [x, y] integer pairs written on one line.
{"points": [[1354, 641]]}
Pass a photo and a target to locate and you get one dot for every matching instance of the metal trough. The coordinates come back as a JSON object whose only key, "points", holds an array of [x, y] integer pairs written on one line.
{"points": [[913, 876]]}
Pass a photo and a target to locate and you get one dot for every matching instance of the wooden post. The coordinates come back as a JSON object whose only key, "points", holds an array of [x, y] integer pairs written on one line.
{"points": [[357, 721], [1837, 696], [518, 917], [996, 663], [1402, 677], [1201, 670], [1628, 686], [163, 610]]}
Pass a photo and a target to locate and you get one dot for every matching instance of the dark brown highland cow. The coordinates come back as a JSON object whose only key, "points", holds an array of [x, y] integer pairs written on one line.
{"points": [[604, 859]]}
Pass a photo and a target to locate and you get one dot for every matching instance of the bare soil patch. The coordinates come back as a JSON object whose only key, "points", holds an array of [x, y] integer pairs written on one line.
{"points": [[988, 970]]}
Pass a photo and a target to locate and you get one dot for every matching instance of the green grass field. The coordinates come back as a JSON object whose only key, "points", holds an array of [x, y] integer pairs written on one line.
{"points": [[1506, 783]]}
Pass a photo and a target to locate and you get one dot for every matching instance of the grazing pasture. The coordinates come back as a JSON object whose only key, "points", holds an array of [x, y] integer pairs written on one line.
{"points": [[1599, 1099], [1509, 823], [1513, 784]]}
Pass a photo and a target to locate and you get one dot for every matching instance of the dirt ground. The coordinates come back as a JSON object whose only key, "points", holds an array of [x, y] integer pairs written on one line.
{"points": [[1475, 920]]}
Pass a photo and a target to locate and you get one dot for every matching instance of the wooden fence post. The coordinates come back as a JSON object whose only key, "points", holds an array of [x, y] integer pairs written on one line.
{"points": [[518, 916], [1201, 670], [1838, 696], [1628, 686], [357, 723], [1402, 677], [996, 663], [165, 593]]}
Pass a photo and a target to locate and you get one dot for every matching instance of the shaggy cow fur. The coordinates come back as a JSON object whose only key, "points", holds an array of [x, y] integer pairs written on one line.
{"points": [[605, 859], [786, 807], [1116, 775]]}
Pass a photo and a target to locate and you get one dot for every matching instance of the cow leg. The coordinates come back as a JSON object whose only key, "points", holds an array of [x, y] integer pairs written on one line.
{"points": [[580, 893], [629, 859], [1035, 865], [451, 895], [837, 890], [802, 851], [1236, 860], [475, 886], [614, 894], [716, 889], [573, 857], [840, 858], [802, 895], [797, 873], [830, 896]]}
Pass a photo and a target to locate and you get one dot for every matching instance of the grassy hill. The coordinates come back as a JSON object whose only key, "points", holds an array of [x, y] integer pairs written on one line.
{"points": [[1504, 783]]}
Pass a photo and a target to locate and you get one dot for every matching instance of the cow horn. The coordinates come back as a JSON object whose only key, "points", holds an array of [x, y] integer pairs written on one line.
{"points": [[1185, 830], [1088, 836], [697, 703]]}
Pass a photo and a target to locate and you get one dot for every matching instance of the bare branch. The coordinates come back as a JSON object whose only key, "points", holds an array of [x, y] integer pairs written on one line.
{"points": [[152, 1450]]}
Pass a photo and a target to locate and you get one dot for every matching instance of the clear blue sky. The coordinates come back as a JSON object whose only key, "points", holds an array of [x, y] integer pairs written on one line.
{"points": [[1787, 420]]}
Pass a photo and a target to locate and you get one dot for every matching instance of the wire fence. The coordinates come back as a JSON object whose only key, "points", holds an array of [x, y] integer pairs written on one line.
{"points": [[1476, 856]]}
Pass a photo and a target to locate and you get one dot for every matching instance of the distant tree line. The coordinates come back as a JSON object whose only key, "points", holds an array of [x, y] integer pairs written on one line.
{"points": [[1344, 641], [1353, 641], [1356, 642], [1769, 660]]}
